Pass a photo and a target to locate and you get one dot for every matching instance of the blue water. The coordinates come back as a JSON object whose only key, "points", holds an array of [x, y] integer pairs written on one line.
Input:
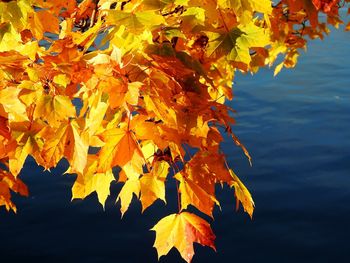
{"points": [[297, 129]]}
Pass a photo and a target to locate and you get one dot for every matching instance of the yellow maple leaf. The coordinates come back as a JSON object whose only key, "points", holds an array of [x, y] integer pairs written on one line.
{"points": [[54, 109], [95, 117], [135, 22], [251, 36], [152, 184], [21, 153], [245, 9], [242, 194], [181, 231], [12, 104], [90, 181], [77, 147], [130, 188]]}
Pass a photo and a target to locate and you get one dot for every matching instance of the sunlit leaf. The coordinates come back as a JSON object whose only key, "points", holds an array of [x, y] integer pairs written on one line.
{"points": [[136, 91], [181, 231]]}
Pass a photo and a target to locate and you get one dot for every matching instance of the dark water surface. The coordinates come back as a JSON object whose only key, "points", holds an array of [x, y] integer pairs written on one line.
{"points": [[297, 128]]}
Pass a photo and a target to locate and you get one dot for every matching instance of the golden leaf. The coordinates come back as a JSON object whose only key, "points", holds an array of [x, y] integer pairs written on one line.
{"points": [[181, 231]]}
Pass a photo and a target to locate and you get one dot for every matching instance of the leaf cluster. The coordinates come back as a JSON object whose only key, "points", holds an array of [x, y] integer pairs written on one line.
{"points": [[140, 85]]}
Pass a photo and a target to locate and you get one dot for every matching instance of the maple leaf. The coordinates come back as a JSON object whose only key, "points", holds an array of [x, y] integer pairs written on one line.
{"points": [[21, 153], [120, 149], [54, 109], [9, 182], [130, 188], [12, 104], [152, 184], [201, 195], [140, 85], [4, 129], [263, 6], [90, 181], [311, 12], [76, 149], [56, 6], [15, 12], [251, 36], [39, 25], [12, 60], [54, 147], [85, 9], [242, 195], [68, 141], [94, 121], [135, 22], [181, 231], [236, 43], [324, 5]]}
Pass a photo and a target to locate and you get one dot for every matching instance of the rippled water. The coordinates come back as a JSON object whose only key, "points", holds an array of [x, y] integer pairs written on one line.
{"points": [[297, 128]]}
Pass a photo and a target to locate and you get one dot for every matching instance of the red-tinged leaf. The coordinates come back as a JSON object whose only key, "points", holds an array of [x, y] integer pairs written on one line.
{"points": [[311, 12], [197, 193], [9, 182], [324, 5], [181, 231], [5, 197], [4, 129], [141, 86], [85, 9]]}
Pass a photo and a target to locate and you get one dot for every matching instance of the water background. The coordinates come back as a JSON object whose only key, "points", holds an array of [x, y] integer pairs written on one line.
{"points": [[297, 129]]}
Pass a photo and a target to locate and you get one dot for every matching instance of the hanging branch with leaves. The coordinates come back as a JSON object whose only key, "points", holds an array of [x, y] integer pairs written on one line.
{"points": [[144, 84]]}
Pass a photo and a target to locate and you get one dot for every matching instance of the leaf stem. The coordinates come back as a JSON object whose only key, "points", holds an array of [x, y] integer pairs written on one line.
{"points": [[178, 196], [177, 190]]}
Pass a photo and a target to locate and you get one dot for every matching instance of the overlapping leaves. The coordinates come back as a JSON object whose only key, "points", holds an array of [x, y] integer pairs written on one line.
{"points": [[139, 86]]}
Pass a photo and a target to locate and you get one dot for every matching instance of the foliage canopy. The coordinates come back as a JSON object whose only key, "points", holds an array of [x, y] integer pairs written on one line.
{"points": [[140, 85]]}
